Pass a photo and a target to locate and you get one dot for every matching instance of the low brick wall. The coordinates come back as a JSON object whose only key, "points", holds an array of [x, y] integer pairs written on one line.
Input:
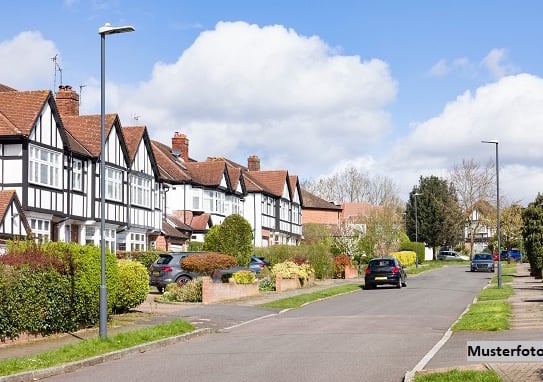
{"points": [[282, 284], [350, 272], [214, 292]]}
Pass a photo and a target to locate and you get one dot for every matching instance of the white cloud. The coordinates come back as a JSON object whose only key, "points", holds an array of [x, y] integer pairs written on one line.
{"points": [[439, 69], [25, 61], [241, 89], [496, 63], [507, 110]]}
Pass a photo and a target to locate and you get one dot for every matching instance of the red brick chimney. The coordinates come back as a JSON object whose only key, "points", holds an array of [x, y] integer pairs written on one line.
{"points": [[67, 101], [180, 146], [253, 163]]}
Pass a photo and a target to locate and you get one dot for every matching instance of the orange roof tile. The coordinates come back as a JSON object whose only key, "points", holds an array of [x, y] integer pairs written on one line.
{"points": [[207, 173], [19, 110], [133, 136], [170, 167], [86, 130], [272, 180]]}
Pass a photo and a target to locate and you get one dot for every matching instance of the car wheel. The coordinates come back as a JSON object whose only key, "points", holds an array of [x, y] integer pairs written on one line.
{"points": [[404, 284], [182, 280], [399, 285], [160, 290]]}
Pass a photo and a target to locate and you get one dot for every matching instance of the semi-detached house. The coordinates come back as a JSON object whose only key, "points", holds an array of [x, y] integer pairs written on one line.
{"points": [[156, 196]]}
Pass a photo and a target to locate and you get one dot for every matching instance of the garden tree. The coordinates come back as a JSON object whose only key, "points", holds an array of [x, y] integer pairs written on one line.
{"points": [[233, 237], [532, 234], [384, 231], [347, 237], [475, 187], [439, 216], [353, 185], [511, 226], [314, 233]]}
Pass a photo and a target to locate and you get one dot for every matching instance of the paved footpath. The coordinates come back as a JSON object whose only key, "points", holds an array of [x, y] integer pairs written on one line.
{"points": [[526, 325]]}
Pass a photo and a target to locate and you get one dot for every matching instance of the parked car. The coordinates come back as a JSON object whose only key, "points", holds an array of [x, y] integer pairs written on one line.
{"points": [[382, 271], [257, 264], [482, 262], [451, 255], [167, 269], [512, 255]]}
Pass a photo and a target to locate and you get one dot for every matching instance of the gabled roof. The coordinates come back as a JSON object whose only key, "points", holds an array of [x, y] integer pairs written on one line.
{"points": [[170, 229], [19, 111], [209, 174], [170, 167], [8, 197], [273, 181], [312, 201], [85, 129], [133, 136]]}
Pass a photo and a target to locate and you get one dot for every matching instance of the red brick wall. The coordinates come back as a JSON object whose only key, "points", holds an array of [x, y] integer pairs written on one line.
{"points": [[320, 217], [215, 292]]}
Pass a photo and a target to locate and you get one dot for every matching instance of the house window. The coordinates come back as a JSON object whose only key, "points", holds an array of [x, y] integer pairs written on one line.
{"points": [[137, 242], [214, 201], [196, 202], [109, 236], [40, 230], [284, 210], [77, 175], [114, 184], [140, 190], [44, 167], [89, 235]]}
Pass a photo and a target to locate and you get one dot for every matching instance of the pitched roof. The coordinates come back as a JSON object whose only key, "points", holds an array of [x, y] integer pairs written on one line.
{"points": [[356, 209], [86, 130], [7, 197], [5, 88], [273, 181], [207, 173], [312, 201], [19, 111], [171, 231], [133, 136], [170, 167]]}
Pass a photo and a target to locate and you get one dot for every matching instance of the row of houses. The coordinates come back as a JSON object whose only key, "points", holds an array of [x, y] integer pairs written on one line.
{"points": [[156, 195]]}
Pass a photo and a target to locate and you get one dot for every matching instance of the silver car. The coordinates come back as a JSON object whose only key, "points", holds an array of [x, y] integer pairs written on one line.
{"points": [[451, 255], [482, 262]]}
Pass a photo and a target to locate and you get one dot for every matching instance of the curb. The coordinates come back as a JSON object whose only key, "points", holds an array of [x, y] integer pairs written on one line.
{"points": [[34, 375]]}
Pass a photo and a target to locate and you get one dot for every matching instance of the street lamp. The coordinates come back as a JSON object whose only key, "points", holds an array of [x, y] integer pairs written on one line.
{"points": [[495, 142], [416, 229], [107, 29]]}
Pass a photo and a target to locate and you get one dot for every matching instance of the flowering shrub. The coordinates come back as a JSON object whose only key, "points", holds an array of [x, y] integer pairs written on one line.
{"points": [[288, 268], [267, 284], [244, 277], [190, 292], [406, 257]]}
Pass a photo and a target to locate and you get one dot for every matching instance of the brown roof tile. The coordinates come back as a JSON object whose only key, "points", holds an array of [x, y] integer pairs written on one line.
{"points": [[170, 167], [19, 110], [312, 201], [5, 88], [207, 173], [272, 180], [86, 130], [133, 136]]}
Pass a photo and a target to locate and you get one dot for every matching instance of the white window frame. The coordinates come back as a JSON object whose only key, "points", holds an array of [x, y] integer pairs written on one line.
{"points": [[77, 175], [213, 201], [137, 241], [44, 166], [140, 188], [41, 229], [114, 184]]}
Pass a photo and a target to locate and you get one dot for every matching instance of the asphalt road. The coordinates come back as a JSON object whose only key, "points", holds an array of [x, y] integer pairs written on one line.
{"points": [[374, 335]]}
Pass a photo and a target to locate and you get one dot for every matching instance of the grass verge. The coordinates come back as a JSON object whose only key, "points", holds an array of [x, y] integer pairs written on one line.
{"points": [[94, 347], [459, 376], [297, 301]]}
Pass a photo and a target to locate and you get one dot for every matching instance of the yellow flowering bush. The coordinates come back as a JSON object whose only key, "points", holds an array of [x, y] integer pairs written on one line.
{"points": [[288, 268]]}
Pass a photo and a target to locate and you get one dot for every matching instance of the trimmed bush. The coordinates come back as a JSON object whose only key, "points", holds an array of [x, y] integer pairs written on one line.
{"points": [[190, 292], [207, 262], [407, 258], [133, 285], [340, 262], [146, 257]]}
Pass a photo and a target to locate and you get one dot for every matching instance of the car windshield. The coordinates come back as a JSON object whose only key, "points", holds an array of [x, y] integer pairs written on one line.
{"points": [[482, 257]]}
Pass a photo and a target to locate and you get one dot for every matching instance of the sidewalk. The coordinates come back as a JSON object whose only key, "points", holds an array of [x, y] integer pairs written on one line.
{"points": [[526, 325]]}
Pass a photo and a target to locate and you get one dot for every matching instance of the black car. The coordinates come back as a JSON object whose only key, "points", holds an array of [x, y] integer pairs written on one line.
{"points": [[383, 271], [167, 269]]}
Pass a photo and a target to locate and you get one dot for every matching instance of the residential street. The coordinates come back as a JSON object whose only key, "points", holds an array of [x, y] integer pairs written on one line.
{"points": [[374, 335]]}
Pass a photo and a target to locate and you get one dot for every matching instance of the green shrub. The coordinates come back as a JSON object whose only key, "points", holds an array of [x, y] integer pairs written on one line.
{"points": [[244, 277], [267, 284], [207, 262], [190, 292], [133, 285], [144, 257], [289, 269]]}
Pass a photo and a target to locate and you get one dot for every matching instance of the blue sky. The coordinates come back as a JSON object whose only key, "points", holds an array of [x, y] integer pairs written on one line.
{"points": [[400, 89]]}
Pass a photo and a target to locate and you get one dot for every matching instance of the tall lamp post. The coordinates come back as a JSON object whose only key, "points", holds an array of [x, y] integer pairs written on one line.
{"points": [[416, 229], [107, 29], [495, 142]]}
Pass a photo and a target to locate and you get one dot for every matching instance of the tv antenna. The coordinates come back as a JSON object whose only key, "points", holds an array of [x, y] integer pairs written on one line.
{"points": [[56, 67]]}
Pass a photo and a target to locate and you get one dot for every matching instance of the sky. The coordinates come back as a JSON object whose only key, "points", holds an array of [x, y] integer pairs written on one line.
{"points": [[398, 89]]}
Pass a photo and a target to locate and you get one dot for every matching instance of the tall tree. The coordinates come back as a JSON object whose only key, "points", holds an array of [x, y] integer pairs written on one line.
{"points": [[532, 233], [474, 186], [437, 213], [511, 226], [354, 185]]}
